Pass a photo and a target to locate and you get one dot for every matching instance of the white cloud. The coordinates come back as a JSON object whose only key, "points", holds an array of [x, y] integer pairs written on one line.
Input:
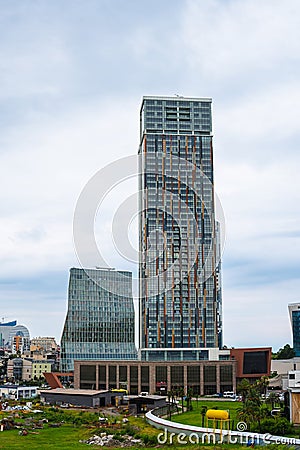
{"points": [[43, 170], [241, 38], [258, 315], [72, 78]]}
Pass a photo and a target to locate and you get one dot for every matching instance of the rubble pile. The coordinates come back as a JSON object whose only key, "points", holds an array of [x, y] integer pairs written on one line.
{"points": [[108, 440]]}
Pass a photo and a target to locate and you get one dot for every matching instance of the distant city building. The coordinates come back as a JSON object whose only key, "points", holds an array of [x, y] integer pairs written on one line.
{"points": [[294, 310], [27, 370], [20, 344], [17, 392], [45, 348], [39, 368], [44, 344], [100, 317], [180, 288], [15, 369], [8, 332]]}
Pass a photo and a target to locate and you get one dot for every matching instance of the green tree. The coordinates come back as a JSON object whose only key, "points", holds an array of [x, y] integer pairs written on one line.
{"points": [[262, 384], [264, 411], [243, 388], [287, 352], [251, 411]]}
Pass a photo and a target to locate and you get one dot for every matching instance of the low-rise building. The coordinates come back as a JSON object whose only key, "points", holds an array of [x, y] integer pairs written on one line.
{"points": [[16, 392], [27, 369], [294, 395], [202, 377], [14, 369], [280, 369], [140, 404], [252, 363], [283, 366], [79, 397], [19, 369], [20, 344], [44, 343], [219, 371], [38, 369]]}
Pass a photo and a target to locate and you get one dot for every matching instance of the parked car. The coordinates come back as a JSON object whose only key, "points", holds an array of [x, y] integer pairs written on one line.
{"points": [[229, 394]]}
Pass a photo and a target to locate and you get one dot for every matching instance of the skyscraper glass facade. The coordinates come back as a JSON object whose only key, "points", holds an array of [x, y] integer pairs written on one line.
{"points": [[294, 310], [100, 318], [179, 271]]}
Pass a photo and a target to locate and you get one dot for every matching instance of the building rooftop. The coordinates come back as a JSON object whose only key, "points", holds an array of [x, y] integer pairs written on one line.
{"points": [[146, 397], [177, 97], [89, 392]]}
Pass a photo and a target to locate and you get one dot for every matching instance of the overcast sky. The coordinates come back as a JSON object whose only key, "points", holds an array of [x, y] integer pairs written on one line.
{"points": [[72, 75]]}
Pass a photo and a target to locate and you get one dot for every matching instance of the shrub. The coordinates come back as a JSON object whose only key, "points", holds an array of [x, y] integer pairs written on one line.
{"points": [[282, 427], [148, 439], [279, 426]]}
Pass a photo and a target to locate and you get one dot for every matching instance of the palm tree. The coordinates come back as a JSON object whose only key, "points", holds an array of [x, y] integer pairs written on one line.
{"points": [[251, 410], [243, 388], [249, 413], [254, 396], [263, 383]]}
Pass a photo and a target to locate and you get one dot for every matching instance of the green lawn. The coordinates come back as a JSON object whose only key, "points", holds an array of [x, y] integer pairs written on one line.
{"points": [[68, 435], [194, 417], [64, 438]]}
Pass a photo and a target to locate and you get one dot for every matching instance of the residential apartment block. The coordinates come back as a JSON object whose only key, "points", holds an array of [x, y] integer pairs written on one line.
{"points": [[180, 287]]}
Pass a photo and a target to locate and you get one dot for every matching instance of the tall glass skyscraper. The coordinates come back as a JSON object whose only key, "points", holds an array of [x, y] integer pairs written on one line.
{"points": [[180, 280], [100, 318], [294, 310]]}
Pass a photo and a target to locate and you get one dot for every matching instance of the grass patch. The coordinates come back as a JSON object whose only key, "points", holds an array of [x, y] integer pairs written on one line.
{"points": [[76, 426], [194, 417], [65, 437], [79, 425]]}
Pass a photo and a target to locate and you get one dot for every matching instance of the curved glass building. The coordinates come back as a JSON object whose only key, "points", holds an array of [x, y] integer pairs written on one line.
{"points": [[100, 318], [9, 330]]}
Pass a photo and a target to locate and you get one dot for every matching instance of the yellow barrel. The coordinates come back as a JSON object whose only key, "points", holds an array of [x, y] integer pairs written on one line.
{"points": [[217, 414]]}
